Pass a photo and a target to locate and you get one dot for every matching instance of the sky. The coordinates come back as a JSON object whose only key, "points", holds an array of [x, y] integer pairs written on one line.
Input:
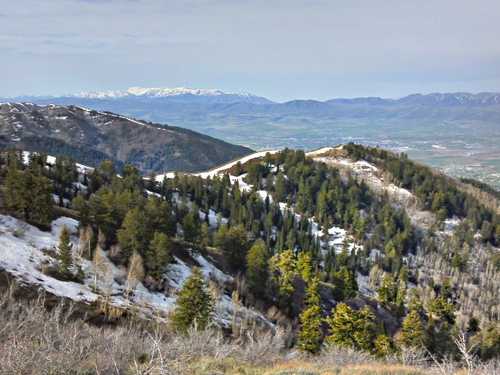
{"points": [[279, 49]]}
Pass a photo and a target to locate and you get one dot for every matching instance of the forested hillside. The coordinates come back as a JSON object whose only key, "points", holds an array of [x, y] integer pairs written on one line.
{"points": [[350, 247], [91, 137]]}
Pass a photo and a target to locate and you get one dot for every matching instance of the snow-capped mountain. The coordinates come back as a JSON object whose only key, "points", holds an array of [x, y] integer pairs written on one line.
{"points": [[157, 92], [182, 94]]}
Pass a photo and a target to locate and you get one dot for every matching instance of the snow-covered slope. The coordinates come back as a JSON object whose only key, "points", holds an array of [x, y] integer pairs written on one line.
{"points": [[219, 170], [25, 251]]}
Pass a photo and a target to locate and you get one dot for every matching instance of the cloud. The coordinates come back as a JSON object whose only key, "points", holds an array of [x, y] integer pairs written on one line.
{"points": [[273, 46]]}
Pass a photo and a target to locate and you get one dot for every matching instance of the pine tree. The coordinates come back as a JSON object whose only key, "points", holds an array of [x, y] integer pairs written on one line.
{"points": [[280, 188], [310, 336], [158, 255], [191, 226], [14, 182], [132, 235], [194, 304], [350, 328], [28, 193], [283, 268], [41, 202], [65, 254], [256, 272], [387, 291], [412, 334], [383, 346], [205, 238], [234, 245], [342, 327], [304, 266], [365, 329]]}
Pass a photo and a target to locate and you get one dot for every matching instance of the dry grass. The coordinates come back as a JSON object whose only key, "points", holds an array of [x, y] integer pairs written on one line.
{"points": [[36, 341]]}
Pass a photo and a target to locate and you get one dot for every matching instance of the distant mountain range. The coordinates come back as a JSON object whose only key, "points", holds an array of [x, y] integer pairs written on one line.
{"points": [[90, 137], [177, 95], [457, 132], [183, 94]]}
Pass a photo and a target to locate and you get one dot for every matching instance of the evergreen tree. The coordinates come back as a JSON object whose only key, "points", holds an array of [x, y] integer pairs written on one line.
{"points": [[440, 309], [383, 346], [284, 270], [310, 336], [280, 189], [132, 235], [194, 304], [365, 329], [191, 226], [387, 291], [158, 255], [205, 237], [234, 245], [412, 334], [342, 325], [65, 254], [81, 205], [256, 270], [350, 328], [28, 193], [304, 266]]}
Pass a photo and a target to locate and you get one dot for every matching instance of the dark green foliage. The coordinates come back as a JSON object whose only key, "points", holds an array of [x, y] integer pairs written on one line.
{"points": [[132, 235], [436, 192], [158, 255], [28, 192], [191, 226], [234, 243], [256, 268], [194, 304], [345, 283], [63, 173], [488, 341], [275, 249], [388, 291], [65, 255]]}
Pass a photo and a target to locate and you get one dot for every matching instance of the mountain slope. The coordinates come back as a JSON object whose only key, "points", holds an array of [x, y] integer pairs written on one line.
{"points": [[91, 136], [357, 231]]}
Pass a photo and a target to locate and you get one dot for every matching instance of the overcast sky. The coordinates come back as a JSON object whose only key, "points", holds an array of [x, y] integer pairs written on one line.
{"points": [[279, 49]]}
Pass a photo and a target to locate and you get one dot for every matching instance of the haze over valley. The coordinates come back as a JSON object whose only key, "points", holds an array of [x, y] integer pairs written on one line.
{"points": [[458, 133]]}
